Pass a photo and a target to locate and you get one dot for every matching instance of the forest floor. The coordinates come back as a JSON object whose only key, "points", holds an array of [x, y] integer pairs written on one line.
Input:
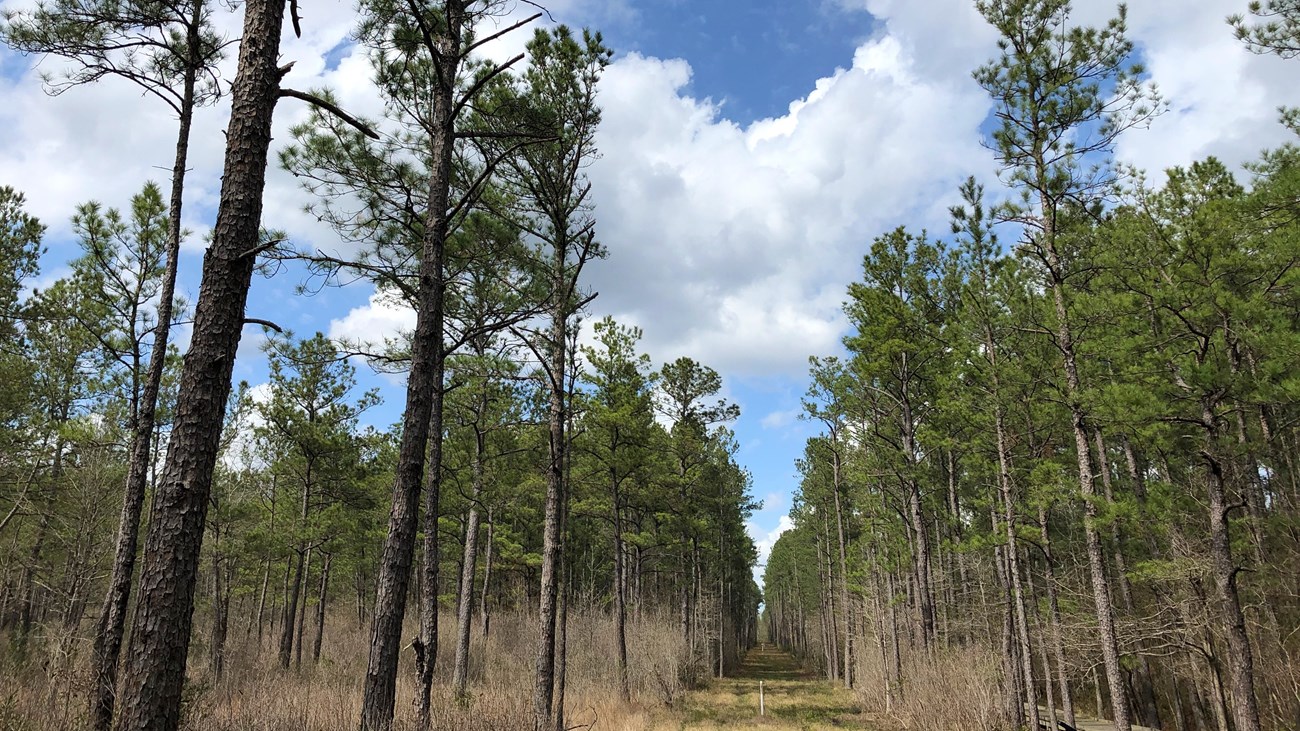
{"points": [[793, 699]]}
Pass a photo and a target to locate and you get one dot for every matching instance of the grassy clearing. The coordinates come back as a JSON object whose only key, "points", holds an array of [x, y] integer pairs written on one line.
{"points": [[794, 699]]}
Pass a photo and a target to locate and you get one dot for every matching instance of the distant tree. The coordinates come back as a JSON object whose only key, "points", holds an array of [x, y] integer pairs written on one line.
{"points": [[688, 397], [309, 425], [20, 252], [620, 437], [66, 367]]}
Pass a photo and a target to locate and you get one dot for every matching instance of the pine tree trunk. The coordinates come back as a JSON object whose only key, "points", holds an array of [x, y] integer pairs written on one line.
{"points": [[111, 626], [421, 422], [565, 590], [261, 601], [27, 606], [844, 574], [1241, 671], [220, 614], [895, 652], [469, 560], [155, 671], [561, 654], [487, 578], [620, 592], [1054, 618], [291, 613], [1011, 669], [552, 541], [429, 580], [320, 608], [921, 556], [302, 612], [1005, 488], [1096, 558]]}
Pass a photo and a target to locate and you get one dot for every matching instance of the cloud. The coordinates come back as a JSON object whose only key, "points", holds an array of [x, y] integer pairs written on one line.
{"points": [[729, 242], [734, 244], [765, 539], [781, 418], [1222, 99], [382, 318]]}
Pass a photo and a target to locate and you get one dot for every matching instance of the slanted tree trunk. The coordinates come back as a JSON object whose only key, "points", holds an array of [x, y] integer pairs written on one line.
{"points": [[261, 601], [421, 419], [111, 626], [155, 671]]}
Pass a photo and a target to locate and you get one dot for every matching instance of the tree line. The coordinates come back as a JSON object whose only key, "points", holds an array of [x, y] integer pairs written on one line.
{"points": [[1067, 460], [527, 472]]}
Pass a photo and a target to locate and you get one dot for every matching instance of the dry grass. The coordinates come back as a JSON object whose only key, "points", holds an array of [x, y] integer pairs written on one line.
{"points": [[793, 699], [957, 688], [48, 691]]}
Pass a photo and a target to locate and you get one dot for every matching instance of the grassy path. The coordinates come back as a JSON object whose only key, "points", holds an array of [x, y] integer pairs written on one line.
{"points": [[793, 698]]}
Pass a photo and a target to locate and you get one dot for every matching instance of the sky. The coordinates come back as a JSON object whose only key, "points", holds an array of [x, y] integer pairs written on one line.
{"points": [[750, 152]]}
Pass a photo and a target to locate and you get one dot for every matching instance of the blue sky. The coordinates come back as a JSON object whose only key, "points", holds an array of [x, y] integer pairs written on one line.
{"points": [[750, 152]]}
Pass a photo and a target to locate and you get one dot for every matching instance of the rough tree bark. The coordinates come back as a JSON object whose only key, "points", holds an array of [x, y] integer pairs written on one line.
{"points": [[1087, 485], [422, 394], [155, 670], [543, 692], [111, 626], [1241, 671]]}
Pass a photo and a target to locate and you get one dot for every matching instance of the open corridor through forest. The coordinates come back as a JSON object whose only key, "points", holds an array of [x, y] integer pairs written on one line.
{"points": [[794, 698], [594, 378]]}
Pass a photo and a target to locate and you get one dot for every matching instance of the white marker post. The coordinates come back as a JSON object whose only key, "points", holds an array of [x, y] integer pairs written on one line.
{"points": [[760, 698]]}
